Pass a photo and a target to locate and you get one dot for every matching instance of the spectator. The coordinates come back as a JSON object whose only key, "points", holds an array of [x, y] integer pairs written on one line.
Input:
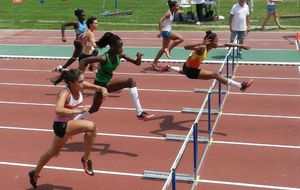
{"points": [[271, 11], [239, 23], [200, 5]]}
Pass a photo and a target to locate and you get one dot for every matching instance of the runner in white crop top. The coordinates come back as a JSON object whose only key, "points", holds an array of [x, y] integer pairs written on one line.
{"points": [[170, 39], [68, 104]]}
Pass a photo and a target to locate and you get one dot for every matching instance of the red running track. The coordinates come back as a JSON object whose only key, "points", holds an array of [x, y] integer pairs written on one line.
{"points": [[256, 144]]}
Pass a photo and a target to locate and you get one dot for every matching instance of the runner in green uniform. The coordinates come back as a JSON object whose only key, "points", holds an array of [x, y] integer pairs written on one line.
{"points": [[104, 77]]}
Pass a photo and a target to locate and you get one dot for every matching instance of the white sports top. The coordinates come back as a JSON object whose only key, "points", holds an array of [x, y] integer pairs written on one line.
{"points": [[87, 42], [71, 104], [270, 3], [167, 25]]}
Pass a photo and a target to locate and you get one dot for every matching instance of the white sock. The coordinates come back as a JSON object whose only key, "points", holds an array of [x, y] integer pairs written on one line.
{"points": [[176, 69], [82, 116], [234, 83], [135, 100]]}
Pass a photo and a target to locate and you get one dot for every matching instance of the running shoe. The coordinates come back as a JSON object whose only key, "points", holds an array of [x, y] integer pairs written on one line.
{"points": [[33, 179], [87, 166], [167, 52], [145, 116], [160, 68], [176, 69], [164, 68], [59, 69], [246, 85]]}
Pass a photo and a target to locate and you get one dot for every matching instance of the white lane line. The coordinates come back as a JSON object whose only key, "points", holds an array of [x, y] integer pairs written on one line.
{"points": [[261, 115], [109, 108], [257, 144], [72, 169], [60, 86], [266, 78], [248, 185], [128, 32], [141, 175], [158, 138], [160, 110], [100, 134], [264, 94], [153, 90], [135, 38], [117, 73], [152, 74]]}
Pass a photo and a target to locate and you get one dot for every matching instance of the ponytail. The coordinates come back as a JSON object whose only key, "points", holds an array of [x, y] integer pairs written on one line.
{"points": [[67, 76]]}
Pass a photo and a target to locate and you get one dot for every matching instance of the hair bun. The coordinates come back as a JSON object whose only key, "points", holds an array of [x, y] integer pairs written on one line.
{"points": [[208, 32]]}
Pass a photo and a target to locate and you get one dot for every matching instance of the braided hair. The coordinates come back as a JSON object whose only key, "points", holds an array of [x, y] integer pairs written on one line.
{"points": [[108, 39]]}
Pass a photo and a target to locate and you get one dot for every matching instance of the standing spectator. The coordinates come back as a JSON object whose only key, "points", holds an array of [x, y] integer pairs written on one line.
{"points": [[200, 5], [271, 8], [239, 23]]}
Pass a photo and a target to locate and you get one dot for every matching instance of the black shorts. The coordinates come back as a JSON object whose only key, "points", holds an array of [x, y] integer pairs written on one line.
{"points": [[103, 84], [77, 45], [83, 56], [60, 128], [190, 72]]}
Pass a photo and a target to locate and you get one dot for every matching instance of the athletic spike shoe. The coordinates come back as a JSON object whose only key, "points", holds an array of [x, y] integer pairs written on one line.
{"points": [[87, 166], [59, 69], [33, 179], [164, 68], [145, 116], [246, 85]]}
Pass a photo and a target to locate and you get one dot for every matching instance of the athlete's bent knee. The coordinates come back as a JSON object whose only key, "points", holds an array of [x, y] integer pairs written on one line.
{"points": [[131, 83]]}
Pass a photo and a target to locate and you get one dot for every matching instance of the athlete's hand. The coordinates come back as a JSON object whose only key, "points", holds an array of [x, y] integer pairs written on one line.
{"points": [[139, 55], [104, 92], [159, 35], [206, 41], [83, 109], [64, 39]]}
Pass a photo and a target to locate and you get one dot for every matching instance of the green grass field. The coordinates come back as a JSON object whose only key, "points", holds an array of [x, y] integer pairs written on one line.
{"points": [[33, 14]]}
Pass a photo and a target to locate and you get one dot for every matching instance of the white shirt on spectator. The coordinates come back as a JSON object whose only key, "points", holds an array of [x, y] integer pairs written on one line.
{"points": [[270, 3], [197, 1], [239, 14]]}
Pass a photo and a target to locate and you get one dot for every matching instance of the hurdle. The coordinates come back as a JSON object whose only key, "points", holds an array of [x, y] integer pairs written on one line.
{"points": [[297, 40], [172, 177], [231, 55], [116, 13]]}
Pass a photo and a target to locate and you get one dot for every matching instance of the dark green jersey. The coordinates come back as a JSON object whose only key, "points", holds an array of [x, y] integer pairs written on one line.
{"points": [[105, 71]]}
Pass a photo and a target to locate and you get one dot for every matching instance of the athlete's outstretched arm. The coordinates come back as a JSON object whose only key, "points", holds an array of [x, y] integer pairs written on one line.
{"points": [[90, 86], [89, 60], [234, 45], [137, 61]]}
